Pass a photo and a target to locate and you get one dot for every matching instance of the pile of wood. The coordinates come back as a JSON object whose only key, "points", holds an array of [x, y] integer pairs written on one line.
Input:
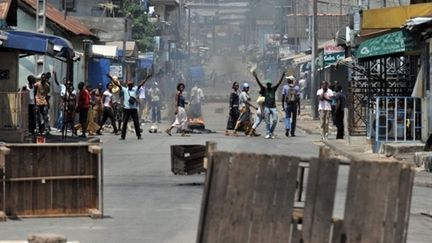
{"points": [[250, 198]]}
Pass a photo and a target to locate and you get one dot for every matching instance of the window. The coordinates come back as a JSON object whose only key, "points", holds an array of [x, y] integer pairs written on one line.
{"points": [[69, 5]]}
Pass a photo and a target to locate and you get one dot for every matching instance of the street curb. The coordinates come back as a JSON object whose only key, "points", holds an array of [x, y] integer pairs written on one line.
{"points": [[306, 130], [417, 179]]}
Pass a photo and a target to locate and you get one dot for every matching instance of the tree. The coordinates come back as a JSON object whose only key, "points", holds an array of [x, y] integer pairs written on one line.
{"points": [[143, 30]]}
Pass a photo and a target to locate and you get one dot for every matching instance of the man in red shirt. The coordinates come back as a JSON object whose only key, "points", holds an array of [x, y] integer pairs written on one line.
{"points": [[83, 107]]}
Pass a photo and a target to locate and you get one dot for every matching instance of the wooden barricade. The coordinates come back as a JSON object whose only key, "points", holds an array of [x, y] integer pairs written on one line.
{"points": [[14, 120], [189, 159], [44, 180], [250, 198]]}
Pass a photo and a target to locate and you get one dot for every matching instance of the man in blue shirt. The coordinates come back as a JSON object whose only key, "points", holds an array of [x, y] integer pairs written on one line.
{"points": [[130, 94]]}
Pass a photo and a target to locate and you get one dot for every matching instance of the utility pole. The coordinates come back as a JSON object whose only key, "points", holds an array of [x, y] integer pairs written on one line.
{"points": [[40, 27], [314, 44], [189, 33]]}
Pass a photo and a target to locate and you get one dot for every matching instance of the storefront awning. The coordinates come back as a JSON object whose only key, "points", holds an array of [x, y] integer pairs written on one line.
{"points": [[104, 51], [394, 17], [37, 43], [303, 59], [392, 43]]}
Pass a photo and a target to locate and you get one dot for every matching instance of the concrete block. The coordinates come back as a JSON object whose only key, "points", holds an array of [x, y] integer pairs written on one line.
{"points": [[46, 238], [391, 149], [424, 160]]}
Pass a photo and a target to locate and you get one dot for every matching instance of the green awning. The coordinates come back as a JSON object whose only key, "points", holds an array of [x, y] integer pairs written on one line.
{"points": [[391, 43]]}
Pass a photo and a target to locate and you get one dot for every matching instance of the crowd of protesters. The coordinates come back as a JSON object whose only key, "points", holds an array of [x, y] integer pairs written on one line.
{"points": [[93, 107]]}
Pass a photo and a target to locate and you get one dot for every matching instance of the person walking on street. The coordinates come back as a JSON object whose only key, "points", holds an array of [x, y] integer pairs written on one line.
{"points": [[244, 120], [83, 107], [270, 111], [130, 101], [234, 111], [180, 112], [259, 114], [41, 91], [107, 110], [291, 105], [339, 111], [325, 96]]}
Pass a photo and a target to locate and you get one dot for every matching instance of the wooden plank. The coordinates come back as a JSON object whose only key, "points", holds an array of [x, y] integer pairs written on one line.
{"points": [[216, 191], [380, 175], [3, 152], [320, 197], [406, 182], [234, 227], [248, 198], [391, 208], [210, 148], [296, 236], [338, 233], [353, 216]]}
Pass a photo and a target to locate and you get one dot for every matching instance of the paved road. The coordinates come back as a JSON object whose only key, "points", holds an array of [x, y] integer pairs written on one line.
{"points": [[145, 202]]}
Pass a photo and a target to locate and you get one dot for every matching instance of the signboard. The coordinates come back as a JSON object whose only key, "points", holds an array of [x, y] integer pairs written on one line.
{"points": [[332, 58], [116, 70], [392, 43]]}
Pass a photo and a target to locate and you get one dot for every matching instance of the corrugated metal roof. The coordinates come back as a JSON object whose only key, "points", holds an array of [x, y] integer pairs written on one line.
{"points": [[70, 24], [4, 8]]}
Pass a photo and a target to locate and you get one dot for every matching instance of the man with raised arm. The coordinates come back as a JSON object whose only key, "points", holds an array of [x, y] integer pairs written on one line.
{"points": [[270, 111]]}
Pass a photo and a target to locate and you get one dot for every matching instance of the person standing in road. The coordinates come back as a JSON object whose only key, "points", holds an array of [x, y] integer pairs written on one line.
{"points": [[107, 109], [325, 96], [196, 99], [83, 107], [291, 105], [234, 111], [142, 105], [244, 120], [31, 106], [259, 114], [130, 101], [180, 112], [339, 111], [155, 103], [41, 91], [70, 106], [270, 111]]}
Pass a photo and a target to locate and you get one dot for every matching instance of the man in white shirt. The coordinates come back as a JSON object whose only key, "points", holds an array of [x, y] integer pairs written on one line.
{"points": [[31, 105], [142, 111], [155, 103], [325, 96], [196, 98], [107, 109]]}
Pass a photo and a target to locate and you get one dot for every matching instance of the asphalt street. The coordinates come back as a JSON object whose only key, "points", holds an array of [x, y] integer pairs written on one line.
{"points": [[145, 202]]}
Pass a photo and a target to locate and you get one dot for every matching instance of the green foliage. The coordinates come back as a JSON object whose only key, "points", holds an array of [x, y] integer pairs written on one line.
{"points": [[142, 30]]}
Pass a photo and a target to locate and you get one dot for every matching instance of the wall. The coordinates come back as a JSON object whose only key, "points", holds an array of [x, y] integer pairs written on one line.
{"points": [[82, 7], [107, 29], [9, 66]]}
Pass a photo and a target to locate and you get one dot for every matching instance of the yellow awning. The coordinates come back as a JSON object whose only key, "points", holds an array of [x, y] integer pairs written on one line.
{"points": [[394, 17]]}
